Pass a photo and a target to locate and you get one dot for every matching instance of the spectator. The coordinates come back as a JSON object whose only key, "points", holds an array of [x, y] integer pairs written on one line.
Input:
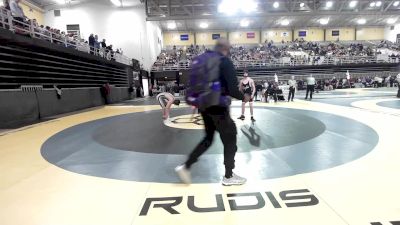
{"points": [[91, 43], [17, 11], [6, 4], [103, 44]]}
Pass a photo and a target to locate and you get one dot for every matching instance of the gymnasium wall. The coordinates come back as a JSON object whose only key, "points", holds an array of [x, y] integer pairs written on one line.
{"points": [[125, 28], [32, 12], [391, 32], [20, 107], [312, 34], [245, 37], [174, 38], [345, 34], [370, 34], [277, 35], [206, 38]]}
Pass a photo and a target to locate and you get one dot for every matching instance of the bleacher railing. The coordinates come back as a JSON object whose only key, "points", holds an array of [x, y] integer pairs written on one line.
{"points": [[25, 27], [184, 65]]}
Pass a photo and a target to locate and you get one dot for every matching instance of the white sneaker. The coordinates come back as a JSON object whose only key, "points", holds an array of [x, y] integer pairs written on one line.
{"points": [[234, 180], [184, 174]]}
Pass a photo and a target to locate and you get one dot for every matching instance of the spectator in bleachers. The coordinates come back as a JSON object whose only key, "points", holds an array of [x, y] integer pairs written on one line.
{"points": [[103, 44], [6, 4], [91, 43], [17, 11]]}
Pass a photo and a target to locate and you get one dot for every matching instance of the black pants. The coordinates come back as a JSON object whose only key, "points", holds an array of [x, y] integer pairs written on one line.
{"points": [[398, 92], [291, 93], [310, 89], [217, 119]]}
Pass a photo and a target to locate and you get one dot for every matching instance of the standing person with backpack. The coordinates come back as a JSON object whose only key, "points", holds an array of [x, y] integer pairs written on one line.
{"points": [[212, 81]]}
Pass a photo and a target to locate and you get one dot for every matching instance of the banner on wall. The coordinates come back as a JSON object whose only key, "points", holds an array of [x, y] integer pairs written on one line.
{"points": [[184, 37], [302, 33], [251, 35], [216, 36], [285, 34], [335, 33]]}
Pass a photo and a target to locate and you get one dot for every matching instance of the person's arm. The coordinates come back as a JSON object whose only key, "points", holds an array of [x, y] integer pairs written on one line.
{"points": [[228, 76], [253, 87]]}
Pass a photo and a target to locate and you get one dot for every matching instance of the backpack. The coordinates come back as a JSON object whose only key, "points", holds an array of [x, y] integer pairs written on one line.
{"points": [[204, 88]]}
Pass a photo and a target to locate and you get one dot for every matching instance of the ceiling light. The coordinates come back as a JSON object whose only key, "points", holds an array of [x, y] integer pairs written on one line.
{"points": [[203, 25], [378, 4], [1, 3], [117, 3], [285, 22], [353, 4], [276, 5], [324, 21], [329, 4], [244, 23], [391, 21], [248, 6], [396, 3], [171, 25], [372, 4], [60, 2], [302, 5], [227, 8], [231, 7], [361, 21]]}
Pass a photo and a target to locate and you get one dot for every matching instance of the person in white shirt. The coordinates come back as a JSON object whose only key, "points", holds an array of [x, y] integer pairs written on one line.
{"points": [[17, 11], [310, 86], [247, 87], [292, 88]]}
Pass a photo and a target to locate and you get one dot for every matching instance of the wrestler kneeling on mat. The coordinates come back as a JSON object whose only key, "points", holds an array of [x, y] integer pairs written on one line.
{"points": [[166, 100]]}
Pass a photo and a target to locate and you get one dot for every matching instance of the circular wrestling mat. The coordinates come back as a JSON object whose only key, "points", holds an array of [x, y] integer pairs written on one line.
{"points": [[140, 147]]}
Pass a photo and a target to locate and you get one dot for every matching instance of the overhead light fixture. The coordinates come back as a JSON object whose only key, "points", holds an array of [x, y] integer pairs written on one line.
{"points": [[171, 25], [329, 4], [285, 22], [396, 3], [324, 21], [391, 21], [203, 25], [1, 3], [378, 4], [244, 23], [276, 5], [372, 4], [353, 4], [361, 21], [60, 2], [230, 7], [302, 5], [117, 3]]}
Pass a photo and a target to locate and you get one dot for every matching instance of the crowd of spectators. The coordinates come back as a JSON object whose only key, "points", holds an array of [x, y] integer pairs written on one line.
{"points": [[22, 25], [296, 52]]}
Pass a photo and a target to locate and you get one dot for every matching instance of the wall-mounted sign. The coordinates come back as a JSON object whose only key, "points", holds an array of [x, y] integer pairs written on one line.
{"points": [[285, 34], [184, 37], [251, 35], [216, 36], [335, 33], [302, 33]]}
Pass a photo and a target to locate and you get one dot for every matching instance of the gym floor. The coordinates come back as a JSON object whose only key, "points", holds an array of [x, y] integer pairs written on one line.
{"points": [[332, 160]]}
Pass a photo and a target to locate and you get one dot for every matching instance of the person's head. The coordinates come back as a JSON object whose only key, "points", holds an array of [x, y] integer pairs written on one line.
{"points": [[222, 46], [292, 77], [104, 40], [245, 74], [177, 102]]}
